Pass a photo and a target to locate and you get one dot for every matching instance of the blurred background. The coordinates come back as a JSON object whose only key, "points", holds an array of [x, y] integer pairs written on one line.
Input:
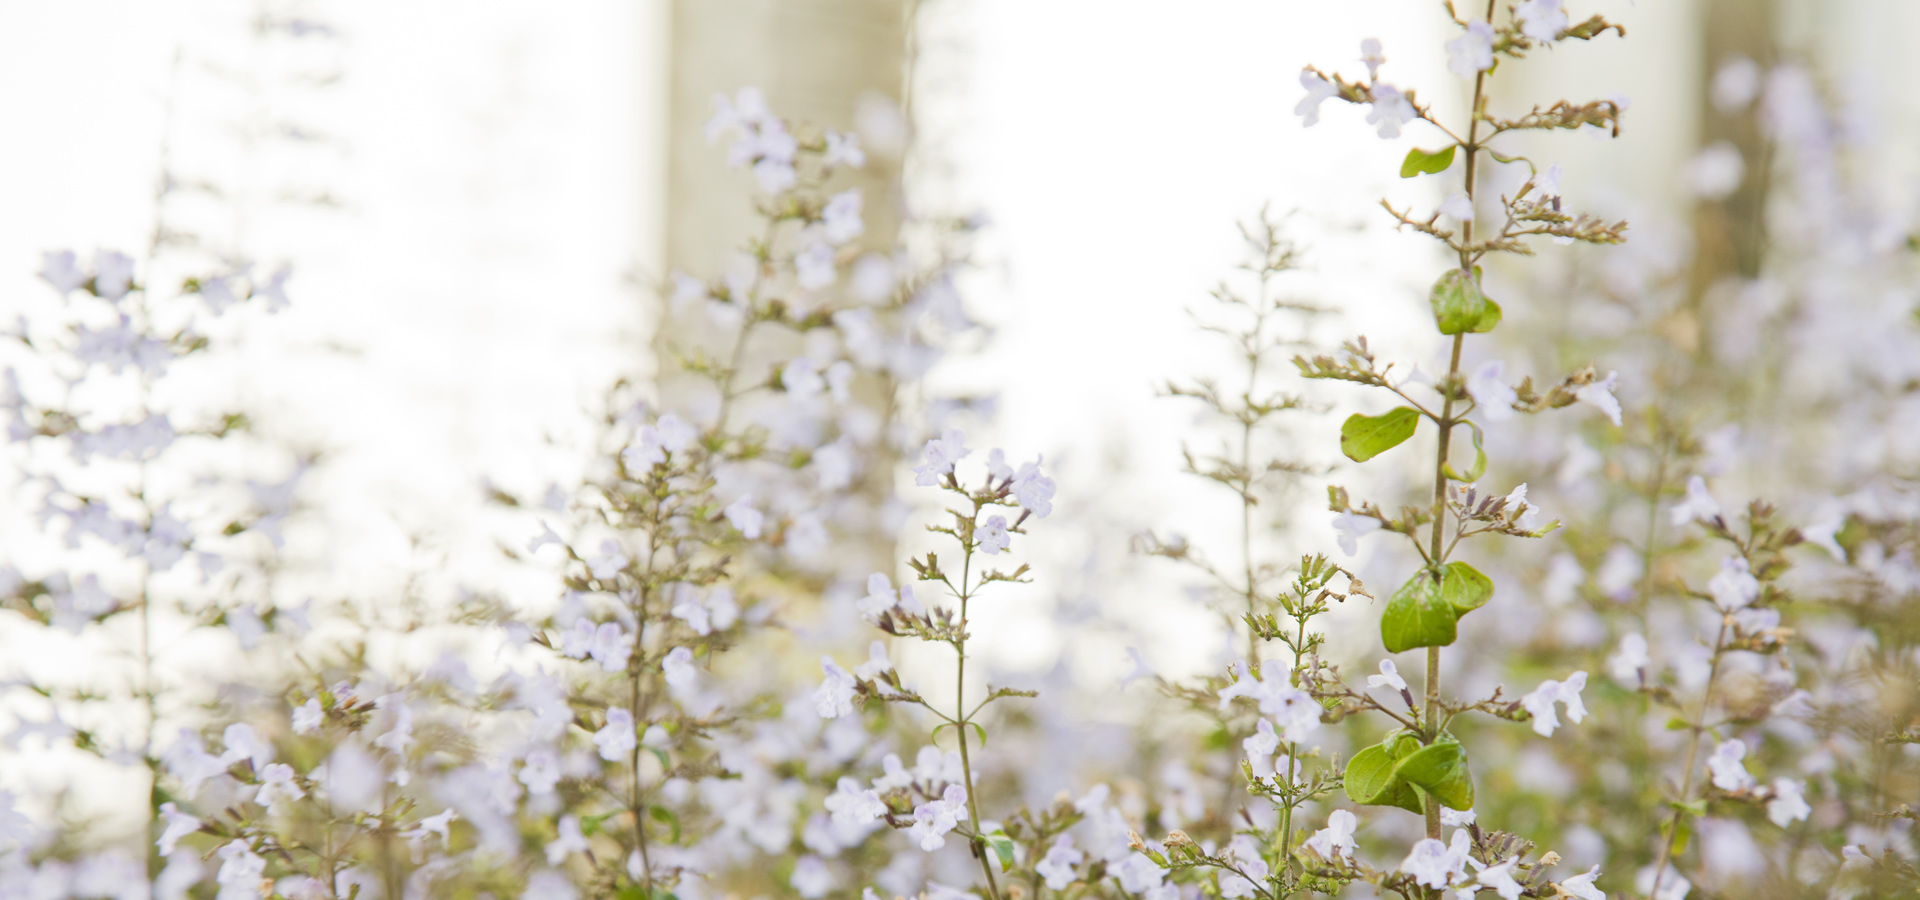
{"points": [[482, 200]]}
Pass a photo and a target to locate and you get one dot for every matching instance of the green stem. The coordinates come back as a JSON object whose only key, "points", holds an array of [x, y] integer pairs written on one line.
{"points": [[978, 845]]}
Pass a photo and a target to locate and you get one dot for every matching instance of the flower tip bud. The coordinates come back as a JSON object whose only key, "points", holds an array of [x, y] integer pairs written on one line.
{"points": [[1550, 859]]}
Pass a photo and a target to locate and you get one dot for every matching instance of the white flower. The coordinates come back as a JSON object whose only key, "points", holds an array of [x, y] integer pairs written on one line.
{"points": [[1789, 803], [112, 274], [610, 647], [569, 841], [1500, 878], [541, 772], [1456, 818], [1335, 840], [880, 595], [994, 537], [243, 743], [1625, 665], [58, 269], [1243, 850], [1437, 865], [1599, 395], [1517, 510], [1581, 886], [997, 468], [1458, 207], [1390, 110], [1472, 52], [179, 825], [1672, 885], [1494, 396], [1729, 772], [840, 218], [811, 878], [677, 667], [441, 825], [240, 872], [545, 537], [1547, 184], [1822, 534], [1318, 90], [1263, 742], [1057, 866], [1373, 56], [1032, 490], [851, 804], [1541, 20], [1540, 702], [616, 739], [840, 382], [741, 514], [1716, 171], [1736, 84], [1137, 874], [1699, 505], [834, 697], [609, 562], [877, 661], [814, 267], [1734, 586], [932, 820], [942, 452], [1389, 677], [843, 150], [277, 784], [307, 716], [1351, 527], [801, 377]]}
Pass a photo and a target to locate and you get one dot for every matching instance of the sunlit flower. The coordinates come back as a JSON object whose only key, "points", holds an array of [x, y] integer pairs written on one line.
{"points": [[1541, 20], [1335, 840], [1390, 110], [1319, 90], [1472, 52]]}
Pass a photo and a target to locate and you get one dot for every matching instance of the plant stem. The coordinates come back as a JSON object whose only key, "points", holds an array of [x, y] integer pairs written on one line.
{"points": [[960, 714], [1693, 755]]}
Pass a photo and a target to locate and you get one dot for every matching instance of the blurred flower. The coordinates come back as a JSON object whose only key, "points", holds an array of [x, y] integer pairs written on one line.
{"points": [[1472, 52], [1390, 110], [1541, 20], [1729, 772], [1492, 395], [1318, 91]]}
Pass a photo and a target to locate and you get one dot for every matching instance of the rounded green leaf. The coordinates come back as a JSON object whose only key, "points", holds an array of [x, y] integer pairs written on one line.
{"points": [[1370, 780], [1420, 162], [1365, 437], [1440, 769], [1465, 587], [1418, 615], [1459, 306]]}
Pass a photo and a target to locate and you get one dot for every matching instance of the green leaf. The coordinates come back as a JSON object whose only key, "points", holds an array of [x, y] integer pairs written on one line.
{"points": [[1370, 780], [1002, 847], [1440, 769], [1479, 457], [1465, 588], [1420, 162], [1460, 307], [1418, 615], [590, 825], [1365, 437], [665, 816]]}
